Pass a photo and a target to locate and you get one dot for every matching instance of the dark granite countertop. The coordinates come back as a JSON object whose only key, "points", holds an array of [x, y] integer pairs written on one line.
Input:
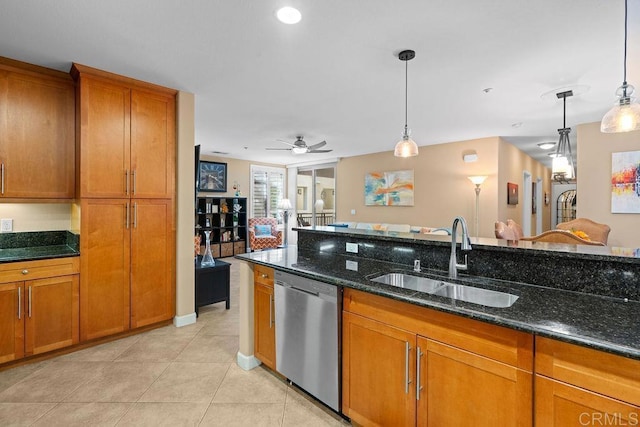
{"points": [[28, 246], [599, 322]]}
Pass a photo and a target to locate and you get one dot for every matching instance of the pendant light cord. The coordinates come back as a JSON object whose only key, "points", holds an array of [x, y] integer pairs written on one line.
{"points": [[406, 93], [625, 47]]}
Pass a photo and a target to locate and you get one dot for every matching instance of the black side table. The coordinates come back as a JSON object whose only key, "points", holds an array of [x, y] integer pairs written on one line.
{"points": [[212, 284]]}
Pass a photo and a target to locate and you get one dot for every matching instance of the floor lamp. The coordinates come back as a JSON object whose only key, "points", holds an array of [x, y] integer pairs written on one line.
{"points": [[477, 180], [285, 206]]}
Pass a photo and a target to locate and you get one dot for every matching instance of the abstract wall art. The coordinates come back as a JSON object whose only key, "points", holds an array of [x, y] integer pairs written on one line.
{"points": [[625, 182], [393, 188]]}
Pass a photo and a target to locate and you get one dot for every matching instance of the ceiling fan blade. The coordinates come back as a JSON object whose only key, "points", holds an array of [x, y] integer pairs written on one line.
{"points": [[319, 151], [285, 142], [285, 149], [318, 145]]}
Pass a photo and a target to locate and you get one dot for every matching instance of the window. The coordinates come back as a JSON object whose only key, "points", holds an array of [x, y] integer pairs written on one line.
{"points": [[267, 189]]}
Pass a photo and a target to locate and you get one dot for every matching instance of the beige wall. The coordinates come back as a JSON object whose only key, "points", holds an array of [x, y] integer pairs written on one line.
{"points": [[442, 189], [594, 181], [512, 163], [185, 191], [38, 216]]}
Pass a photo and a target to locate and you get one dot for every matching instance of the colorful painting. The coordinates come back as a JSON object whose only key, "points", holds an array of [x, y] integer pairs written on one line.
{"points": [[512, 193], [389, 188], [625, 182]]}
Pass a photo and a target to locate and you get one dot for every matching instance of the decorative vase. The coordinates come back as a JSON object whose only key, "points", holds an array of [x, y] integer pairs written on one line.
{"points": [[207, 258]]}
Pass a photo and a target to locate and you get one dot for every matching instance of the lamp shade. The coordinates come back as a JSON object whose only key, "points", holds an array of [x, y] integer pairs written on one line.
{"points": [[623, 117], [284, 204], [406, 147], [477, 179], [562, 168]]}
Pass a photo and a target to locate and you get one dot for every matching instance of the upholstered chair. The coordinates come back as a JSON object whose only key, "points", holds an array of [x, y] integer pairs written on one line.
{"points": [[597, 232], [509, 231], [264, 233]]}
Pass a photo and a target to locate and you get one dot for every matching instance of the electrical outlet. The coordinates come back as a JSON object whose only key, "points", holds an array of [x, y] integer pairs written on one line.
{"points": [[353, 211], [6, 225], [352, 247], [352, 265]]}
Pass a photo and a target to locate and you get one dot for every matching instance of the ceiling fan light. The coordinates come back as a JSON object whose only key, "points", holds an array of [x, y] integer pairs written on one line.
{"points": [[299, 150], [406, 147]]}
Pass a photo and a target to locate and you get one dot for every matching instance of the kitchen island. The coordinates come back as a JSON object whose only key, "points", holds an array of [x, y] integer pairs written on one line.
{"points": [[566, 294]]}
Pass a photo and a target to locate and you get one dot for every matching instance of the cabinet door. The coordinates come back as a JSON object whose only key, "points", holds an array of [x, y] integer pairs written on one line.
{"points": [[560, 404], [152, 266], [460, 386], [37, 151], [11, 321], [105, 133], [264, 325], [104, 267], [378, 368], [51, 309], [152, 144]]}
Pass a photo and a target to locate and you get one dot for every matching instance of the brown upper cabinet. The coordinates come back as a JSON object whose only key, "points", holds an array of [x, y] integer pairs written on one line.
{"points": [[37, 139], [126, 133]]}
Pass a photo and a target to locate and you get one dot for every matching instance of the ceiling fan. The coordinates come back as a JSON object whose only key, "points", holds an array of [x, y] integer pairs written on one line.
{"points": [[301, 147]]}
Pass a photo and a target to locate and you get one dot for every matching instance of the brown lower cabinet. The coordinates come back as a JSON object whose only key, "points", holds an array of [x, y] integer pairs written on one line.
{"points": [[127, 253], [580, 386], [264, 316], [40, 312], [405, 365]]}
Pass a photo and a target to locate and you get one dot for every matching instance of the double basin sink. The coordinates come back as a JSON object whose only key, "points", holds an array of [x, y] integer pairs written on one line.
{"points": [[454, 291]]}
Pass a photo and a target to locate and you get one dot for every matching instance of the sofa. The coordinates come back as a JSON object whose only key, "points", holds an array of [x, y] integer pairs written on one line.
{"points": [[398, 228]]}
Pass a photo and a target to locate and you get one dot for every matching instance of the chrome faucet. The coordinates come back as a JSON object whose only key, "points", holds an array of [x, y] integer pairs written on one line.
{"points": [[465, 245]]}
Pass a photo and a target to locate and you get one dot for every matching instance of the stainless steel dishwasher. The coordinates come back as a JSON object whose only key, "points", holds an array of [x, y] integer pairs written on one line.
{"points": [[307, 335]]}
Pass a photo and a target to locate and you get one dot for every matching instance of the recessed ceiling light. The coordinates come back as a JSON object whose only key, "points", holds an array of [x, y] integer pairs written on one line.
{"points": [[517, 125], [289, 15], [547, 145]]}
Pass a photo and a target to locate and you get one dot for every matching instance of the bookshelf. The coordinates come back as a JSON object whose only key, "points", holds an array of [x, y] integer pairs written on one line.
{"points": [[226, 218]]}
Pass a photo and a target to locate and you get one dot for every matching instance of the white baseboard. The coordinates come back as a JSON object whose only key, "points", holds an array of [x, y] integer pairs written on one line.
{"points": [[248, 362], [187, 319]]}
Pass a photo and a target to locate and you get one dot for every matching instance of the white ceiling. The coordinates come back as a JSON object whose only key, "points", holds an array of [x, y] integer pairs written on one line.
{"points": [[335, 76]]}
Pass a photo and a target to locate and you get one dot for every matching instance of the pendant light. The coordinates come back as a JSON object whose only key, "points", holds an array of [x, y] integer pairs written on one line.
{"points": [[406, 147], [625, 114], [562, 167]]}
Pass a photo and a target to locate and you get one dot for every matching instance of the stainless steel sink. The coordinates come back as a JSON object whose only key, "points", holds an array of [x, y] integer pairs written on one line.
{"points": [[475, 295], [409, 281]]}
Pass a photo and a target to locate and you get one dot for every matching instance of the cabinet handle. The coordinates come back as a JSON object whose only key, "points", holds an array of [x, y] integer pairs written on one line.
{"points": [[126, 181], [19, 303], [29, 302], [135, 215], [126, 217], [25, 271], [264, 276], [2, 178], [133, 174], [418, 386], [407, 381], [270, 311]]}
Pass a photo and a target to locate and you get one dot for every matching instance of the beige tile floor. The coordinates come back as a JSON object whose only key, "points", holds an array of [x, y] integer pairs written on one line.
{"points": [[169, 376]]}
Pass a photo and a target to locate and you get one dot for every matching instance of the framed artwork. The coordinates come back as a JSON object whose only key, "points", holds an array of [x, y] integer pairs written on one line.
{"points": [[212, 177], [625, 182], [393, 188], [512, 193]]}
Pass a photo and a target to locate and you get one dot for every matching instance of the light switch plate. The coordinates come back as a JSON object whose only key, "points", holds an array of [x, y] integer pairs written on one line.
{"points": [[6, 225], [352, 247]]}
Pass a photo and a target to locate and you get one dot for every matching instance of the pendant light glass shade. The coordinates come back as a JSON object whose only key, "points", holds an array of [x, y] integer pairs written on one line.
{"points": [[406, 147], [625, 114]]}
